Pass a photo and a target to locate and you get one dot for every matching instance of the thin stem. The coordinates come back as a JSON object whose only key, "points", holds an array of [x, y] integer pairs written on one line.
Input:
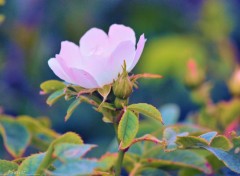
{"points": [[121, 153], [119, 162]]}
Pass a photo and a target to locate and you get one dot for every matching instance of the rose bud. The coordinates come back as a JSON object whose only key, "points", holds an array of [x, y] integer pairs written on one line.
{"points": [[122, 87], [194, 76]]}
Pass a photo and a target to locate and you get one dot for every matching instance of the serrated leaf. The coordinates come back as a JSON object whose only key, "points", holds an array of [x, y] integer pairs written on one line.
{"points": [[72, 108], [51, 86], [191, 141], [69, 137], [66, 152], [230, 159], [55, 96], [30, 165], [128, 128], [15, 136], [81, 167], [221, 142], [7, 167], [147, 110]]}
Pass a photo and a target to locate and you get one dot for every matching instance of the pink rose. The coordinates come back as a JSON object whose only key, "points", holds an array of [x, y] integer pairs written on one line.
{"points": [[99, 58]]}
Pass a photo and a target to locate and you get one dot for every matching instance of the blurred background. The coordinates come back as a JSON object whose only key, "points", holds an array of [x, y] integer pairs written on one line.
{"points": [[31, 32]]}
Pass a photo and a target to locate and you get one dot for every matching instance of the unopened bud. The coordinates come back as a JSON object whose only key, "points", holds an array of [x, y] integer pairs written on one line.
{"points": [[122, 87], [194, 76], [234, 83]]}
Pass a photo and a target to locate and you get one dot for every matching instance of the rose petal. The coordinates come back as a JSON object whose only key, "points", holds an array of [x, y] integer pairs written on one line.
{"points": [[124, 51], [140, 46], [78, 75], [98, 67], [94, 41], [119, 33], [83, 78], [58, 70], [70, 53]]}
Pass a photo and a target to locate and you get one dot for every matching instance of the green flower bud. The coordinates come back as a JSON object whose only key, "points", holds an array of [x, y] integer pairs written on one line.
{"points": [[119, 103], [123, 87]]}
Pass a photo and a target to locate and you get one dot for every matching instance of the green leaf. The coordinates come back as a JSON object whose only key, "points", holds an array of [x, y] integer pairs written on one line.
{"points": [[30, 165], [154, 172], [55, 96], [72, 108], [170, 135], [76, 168], [41, 136], [107, 161], [15, 136], [128, 128], [209, 136], [177, 159], [104, 91], [147, 110], [51, 86], [221, 142], [66, 152], [7, 167], [69, 137], [191, 141], [230, 159]]}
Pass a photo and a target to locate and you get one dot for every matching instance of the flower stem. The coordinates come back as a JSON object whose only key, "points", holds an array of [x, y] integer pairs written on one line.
{"points": [[121, 153], [118, 166]]}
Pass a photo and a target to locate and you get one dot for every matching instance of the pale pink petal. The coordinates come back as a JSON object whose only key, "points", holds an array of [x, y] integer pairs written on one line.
{"points": [[70, 52], [97, 66], [124, 51], [140, 47], [79, 76], [83, 78], [119, 33], [58, 70], [94, 41]]}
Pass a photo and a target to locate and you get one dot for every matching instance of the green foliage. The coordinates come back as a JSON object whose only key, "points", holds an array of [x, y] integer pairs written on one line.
{"points": [[153, 172], [7, 167], [107, 161], [55, 96], [41, 135], [64, 156], [78, 167], [51, 86], [31, 164], [16, 137], [48, 159], [128, 128], [68, 151], [147, 110], [72, 108]]}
